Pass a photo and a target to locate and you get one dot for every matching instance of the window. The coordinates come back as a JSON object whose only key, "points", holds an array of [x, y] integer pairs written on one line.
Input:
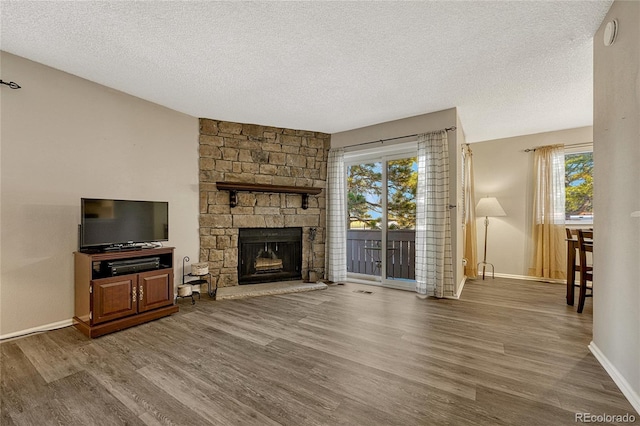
{"points": [[381, 189], [578, 186]]}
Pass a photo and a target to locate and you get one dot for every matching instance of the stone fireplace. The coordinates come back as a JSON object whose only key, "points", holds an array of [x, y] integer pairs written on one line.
{"points": [[262, 155]]}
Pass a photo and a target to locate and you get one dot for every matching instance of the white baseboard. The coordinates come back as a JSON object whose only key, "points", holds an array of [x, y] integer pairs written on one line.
{"points": [[460, 287], [530, 278], [618, 378], [46, 327]]}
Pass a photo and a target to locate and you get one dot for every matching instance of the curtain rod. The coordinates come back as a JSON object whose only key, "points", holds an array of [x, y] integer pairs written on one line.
{"points": [[575, 144], [398, 137], [11, 84]]}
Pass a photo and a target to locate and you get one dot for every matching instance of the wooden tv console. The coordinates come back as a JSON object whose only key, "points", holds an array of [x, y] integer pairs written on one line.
{"points": [[106, 303]]}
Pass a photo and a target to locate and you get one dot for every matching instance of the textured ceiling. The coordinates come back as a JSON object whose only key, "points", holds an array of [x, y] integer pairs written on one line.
{"points": [[511, 67]]}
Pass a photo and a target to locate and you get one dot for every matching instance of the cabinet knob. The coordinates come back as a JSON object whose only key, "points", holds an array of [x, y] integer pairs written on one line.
{"points": [[133, 294], [141, 293]]}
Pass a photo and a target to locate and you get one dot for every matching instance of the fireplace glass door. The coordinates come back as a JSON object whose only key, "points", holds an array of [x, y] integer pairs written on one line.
{"points": [[269, 254]]}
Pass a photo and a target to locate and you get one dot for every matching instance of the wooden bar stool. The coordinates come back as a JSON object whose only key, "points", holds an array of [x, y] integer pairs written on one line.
{"points": [[572, 247], [585, 245]]}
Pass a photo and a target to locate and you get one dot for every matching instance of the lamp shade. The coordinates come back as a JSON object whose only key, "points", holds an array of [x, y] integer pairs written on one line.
{"points": [[489, 207]]}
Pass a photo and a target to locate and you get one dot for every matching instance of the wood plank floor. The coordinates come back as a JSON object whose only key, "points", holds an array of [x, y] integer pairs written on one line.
{"points": [[508, 353]]}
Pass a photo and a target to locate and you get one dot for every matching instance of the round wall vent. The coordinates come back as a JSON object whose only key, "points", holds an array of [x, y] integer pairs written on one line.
{"points": [[610, 32]]}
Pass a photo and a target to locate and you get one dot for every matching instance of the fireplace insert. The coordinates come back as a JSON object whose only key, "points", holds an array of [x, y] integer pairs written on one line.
{"points": [[269, 254]]}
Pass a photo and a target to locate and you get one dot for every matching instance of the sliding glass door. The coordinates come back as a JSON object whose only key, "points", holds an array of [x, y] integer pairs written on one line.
{"points": [[364, 205], [381, 194], [402, 181]]}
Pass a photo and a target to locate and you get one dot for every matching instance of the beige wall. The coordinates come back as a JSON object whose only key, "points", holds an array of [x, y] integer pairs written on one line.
{"points": [[413, 125], [503, 170], [616, 305], [64, 138]]}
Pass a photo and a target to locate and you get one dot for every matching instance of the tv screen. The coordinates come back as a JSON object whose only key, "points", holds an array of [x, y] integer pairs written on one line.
{"points": [[114, 222]]}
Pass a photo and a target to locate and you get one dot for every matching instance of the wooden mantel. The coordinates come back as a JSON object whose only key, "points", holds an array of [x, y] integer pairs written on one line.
{"points": [[234, 187]]}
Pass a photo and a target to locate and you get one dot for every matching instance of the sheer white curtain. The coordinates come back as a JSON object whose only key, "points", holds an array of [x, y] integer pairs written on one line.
{"points": [[336, 244], [548, 234], [469, 214], [434, 264]]}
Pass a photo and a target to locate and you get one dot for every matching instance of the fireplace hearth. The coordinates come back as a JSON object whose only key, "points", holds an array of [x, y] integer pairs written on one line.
{"points": [[269, 254]]}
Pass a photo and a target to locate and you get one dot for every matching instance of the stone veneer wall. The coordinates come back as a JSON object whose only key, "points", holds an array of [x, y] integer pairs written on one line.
{"points": [[236, 152]]}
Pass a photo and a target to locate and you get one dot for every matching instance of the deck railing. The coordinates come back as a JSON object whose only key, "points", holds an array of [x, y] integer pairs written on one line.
{"points": [[364, 253]]}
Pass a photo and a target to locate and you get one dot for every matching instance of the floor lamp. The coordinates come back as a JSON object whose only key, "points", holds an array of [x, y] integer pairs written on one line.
{"points": [[488, 207]]}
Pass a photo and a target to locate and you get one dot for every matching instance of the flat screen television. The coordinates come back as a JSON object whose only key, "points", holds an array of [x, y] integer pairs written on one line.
{"points": [[112, 223]]}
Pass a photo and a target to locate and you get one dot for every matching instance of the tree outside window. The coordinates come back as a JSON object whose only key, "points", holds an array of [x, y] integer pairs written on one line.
{"points": [[579, 187], [363, 197], [365, 191]]}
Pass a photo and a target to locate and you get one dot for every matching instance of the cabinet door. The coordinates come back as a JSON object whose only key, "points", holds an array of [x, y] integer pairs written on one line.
{"points": [[155, 289], [113, 298]]}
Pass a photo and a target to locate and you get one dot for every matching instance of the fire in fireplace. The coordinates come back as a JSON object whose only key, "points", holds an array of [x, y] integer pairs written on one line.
{"points": [[269, 254]]}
